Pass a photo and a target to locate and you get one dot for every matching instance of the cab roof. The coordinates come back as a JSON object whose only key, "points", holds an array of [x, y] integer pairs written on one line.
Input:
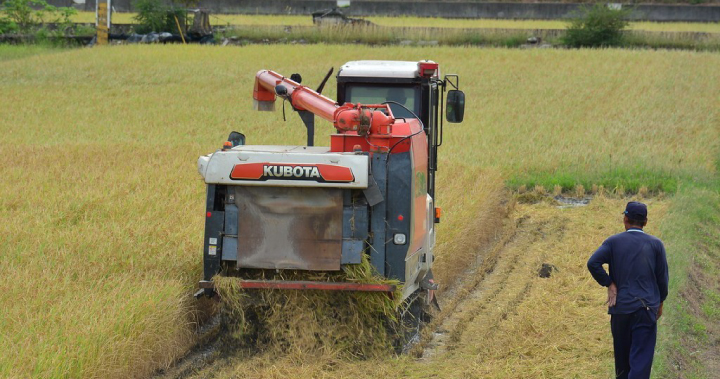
{"points": [[380, 69]]}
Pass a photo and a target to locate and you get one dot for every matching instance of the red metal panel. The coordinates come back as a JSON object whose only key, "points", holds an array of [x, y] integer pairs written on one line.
{"points": [[285, 171], [346, 142], [308, 285], [334, 173], [322, 286], [247, 171]]}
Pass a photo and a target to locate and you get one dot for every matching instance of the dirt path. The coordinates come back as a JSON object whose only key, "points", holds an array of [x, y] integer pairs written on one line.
{"points": [[499, 293], [205, 352]]}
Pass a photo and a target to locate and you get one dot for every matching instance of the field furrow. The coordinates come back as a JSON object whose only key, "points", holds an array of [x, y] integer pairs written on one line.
{"points": [[497, 295]]}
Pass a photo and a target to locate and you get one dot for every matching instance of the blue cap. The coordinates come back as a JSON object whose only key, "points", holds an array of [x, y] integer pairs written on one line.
{"points": [[636, 211]]}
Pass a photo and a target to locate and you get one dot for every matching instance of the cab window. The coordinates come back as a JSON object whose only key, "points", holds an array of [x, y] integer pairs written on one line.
{"points": [[406, 95]]}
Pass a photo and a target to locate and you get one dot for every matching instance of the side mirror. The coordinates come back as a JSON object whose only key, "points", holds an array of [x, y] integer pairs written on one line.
{"points": [[236, 139], [455, 106]]}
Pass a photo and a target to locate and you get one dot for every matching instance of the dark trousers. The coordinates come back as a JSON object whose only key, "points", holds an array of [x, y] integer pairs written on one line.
{"points": [[634, 337]]}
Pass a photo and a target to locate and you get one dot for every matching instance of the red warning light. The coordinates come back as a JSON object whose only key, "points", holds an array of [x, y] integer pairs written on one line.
{"points": [[400, 217], [427, 69], [209, 214]]}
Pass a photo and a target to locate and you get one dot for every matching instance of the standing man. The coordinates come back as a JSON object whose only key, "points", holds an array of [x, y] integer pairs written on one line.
{"points": [[637, 287]]}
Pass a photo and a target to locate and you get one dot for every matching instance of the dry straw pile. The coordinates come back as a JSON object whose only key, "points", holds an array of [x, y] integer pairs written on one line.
{"points": [[312, 323]]}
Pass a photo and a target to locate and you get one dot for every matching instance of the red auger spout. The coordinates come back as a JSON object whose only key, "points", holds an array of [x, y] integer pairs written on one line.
{"points": [[363, 119]]}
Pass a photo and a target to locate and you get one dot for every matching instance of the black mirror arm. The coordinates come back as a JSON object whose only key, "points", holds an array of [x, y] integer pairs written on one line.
{"points": [[448, 79], [442, 114]]}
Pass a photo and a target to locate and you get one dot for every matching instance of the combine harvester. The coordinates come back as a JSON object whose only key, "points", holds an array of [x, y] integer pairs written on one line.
{"points": [[308, 208]]}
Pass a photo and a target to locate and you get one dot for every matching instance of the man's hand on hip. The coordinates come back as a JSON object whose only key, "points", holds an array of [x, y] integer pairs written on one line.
{"points": [[612, 295]]}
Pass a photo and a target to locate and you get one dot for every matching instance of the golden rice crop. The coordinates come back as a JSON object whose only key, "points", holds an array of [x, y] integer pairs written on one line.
{"points": [[101, 206]]}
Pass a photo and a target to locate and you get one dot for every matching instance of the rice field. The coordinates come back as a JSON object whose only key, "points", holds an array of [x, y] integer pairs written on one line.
{"points": [[424, 22], [101, 206], [8, 52]]}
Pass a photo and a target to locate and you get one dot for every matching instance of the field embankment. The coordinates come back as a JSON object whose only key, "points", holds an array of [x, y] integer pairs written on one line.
{"points": [[416, 22], [101, 206], [404, 31], [245, 29]]}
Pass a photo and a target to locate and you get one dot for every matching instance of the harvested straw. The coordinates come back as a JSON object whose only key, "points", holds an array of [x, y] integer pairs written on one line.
{"points": [[311, 323]]}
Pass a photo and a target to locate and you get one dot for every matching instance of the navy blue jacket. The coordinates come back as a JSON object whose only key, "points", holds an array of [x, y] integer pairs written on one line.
{"points": [[638, 267]]}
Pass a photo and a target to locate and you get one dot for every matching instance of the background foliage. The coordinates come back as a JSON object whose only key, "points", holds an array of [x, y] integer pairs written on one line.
{"points": [[597, 26]]}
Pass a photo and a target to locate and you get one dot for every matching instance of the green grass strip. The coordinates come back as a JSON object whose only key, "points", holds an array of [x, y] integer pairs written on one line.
{"points": [[683, 334], [626, 180], [691, 231]]}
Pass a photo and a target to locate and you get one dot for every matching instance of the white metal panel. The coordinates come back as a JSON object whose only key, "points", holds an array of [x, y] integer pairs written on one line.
{"points": [[203, 164], [217, 168], [380, 69]]}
